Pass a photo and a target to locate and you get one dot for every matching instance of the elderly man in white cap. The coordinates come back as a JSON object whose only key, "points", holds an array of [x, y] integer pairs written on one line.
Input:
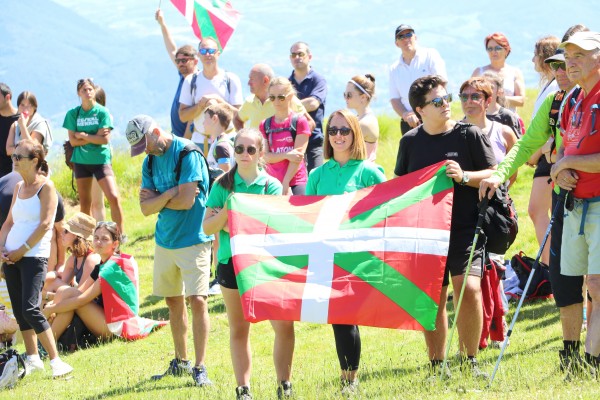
{"points": [[578, 170], [182, 253]]}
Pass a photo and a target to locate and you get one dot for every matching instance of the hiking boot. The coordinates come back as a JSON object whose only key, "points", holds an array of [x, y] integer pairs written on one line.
{"points": [[284, 390], [435, 372], [471, 365], [350, 387], [60, 368], [201, 376], [243, 393], [176, 368], [32, 365]]}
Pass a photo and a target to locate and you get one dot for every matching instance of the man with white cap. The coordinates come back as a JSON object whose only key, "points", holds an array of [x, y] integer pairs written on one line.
{"points": [[415, 62], [182, 252], [578, 170]]}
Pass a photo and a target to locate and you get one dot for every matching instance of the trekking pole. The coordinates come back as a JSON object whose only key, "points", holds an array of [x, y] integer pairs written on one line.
{"points": [[561, 199], [482, 210]]}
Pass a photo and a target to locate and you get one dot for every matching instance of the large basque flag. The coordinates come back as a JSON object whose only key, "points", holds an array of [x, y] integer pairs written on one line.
{"points": [[372, 257], [215, 18], [119, 284]]}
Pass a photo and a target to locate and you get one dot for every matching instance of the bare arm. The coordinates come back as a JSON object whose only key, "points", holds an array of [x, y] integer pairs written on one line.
{"points": [[518, 99], [185, 197], [167, 38], [454, 171], [10, 141], [152, 202], [300, 145], [407, 115], [310, 103], [73, 303], [214, 220], [237, 122], [7, 226]]}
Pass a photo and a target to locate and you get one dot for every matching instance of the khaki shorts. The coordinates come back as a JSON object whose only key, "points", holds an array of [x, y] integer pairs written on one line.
{"points": [[580, 253], [183, 271]]}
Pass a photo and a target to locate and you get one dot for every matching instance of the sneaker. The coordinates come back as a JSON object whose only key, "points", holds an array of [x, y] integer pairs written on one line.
{"points": [[176, 368], [349, 387], [243, 393], [32, 365], [201, 376], [473, 366], [214, 290], [60, 368], [284, 390]]}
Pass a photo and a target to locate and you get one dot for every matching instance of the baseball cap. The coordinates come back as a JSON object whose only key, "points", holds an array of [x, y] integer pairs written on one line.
{"points": [[559, 55], [136, 132], [585, 40], [403, 27]]}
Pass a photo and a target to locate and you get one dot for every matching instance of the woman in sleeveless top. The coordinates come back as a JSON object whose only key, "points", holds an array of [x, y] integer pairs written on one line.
{"points": [[25, 242], [359, 93], [498, 49]]}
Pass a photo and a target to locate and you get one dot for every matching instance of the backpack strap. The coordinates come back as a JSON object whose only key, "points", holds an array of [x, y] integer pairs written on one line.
{"points": [[149, 164], [193, 84], [554, 112], [190, 147], [293, 129]]}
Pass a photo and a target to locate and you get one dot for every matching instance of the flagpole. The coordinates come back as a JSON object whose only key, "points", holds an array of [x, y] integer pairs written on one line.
{"points": [[159, 1]]}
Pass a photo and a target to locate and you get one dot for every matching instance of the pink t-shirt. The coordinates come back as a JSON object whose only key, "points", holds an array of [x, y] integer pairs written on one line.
{"points": [[282, 142]]}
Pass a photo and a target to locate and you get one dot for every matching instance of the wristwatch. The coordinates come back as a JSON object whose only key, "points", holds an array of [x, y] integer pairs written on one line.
{"points": [[465, 179]]}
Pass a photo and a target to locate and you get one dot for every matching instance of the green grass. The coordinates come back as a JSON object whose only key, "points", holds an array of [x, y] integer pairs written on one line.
{"points": [[392, 365]]}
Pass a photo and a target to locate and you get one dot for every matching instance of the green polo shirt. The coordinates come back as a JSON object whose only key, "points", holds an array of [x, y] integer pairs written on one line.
{"points": [[331, 178], [218, 197]]}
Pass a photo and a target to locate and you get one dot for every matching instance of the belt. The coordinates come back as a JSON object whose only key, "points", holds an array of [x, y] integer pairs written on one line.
{"points": [[586, 204]]}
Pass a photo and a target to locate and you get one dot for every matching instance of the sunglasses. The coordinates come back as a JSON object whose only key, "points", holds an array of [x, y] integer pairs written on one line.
{"points": [[464, 97], [19, 157], [300, 54], [405, 36], [182, 60], [439, 101], [207, 51], [495, 48], [279, 97], [348, 95], [556, 65], [239, 149], [335, 130]]}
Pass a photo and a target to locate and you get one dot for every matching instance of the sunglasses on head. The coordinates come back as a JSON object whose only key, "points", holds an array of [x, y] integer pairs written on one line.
{"points": [[279, 97], [556, 65], [464, 97], [207, 51], [239, 149], [439, 101], [405, 36], [336, 130], [19, 157], [495, 48]]}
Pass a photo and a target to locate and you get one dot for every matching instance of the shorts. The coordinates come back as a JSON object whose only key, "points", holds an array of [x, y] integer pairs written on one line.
{"points": [[458, 256], [226, 275], [543, 168], [99, 171], [580, 252], [184, 271]]}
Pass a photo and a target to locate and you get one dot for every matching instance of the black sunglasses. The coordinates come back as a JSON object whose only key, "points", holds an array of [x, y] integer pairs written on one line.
{"points": [[556, 65], [19, 157], [464, 97], [239, 149], [439, 101], [335, 130]]}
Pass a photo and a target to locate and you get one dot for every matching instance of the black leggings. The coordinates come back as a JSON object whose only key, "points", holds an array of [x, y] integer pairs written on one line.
{"points": [[24, 281], [347, 344]]}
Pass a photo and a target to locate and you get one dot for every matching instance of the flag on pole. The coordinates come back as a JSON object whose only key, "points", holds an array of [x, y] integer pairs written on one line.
{"points": [[372, 257], [119, 284], [215, 18]]}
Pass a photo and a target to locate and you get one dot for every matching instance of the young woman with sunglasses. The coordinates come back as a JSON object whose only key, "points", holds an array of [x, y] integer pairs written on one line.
{"points": [[30, 125], [25, 242], [359, 93], [346, 170], [89, 127], [247, 176], [284, 154]]}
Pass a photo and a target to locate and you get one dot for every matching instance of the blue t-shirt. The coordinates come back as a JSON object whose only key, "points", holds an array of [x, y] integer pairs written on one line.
{"points": [[177, 126], [176, 229], [314, 85]]}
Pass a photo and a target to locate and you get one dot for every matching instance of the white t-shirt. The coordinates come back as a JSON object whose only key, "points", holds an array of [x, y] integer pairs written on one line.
{"points": [[230, 92], [425, 62]]}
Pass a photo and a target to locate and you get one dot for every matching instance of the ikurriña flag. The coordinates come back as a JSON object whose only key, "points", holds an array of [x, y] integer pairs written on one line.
{"points": [[119, 284], [373, 257]]}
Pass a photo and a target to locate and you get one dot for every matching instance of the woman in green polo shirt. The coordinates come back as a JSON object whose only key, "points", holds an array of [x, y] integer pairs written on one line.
{"points": [[347, 170], [89, 126], [246, 176]]}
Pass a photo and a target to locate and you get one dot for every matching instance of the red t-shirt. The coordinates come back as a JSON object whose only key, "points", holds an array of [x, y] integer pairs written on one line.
{"points": [[581, 138], [282, 142]]}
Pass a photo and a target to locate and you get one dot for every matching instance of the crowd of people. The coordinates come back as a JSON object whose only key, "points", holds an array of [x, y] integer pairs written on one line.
{"points": [[276, 142]]}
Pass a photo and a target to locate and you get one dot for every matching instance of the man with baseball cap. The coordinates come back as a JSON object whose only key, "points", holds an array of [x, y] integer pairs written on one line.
{"points": [[577, 170], [414, 62], [182, 252]]}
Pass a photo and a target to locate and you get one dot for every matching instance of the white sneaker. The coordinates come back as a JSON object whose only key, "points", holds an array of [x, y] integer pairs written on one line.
{"points": [[214, 290], [33, 365], [60, 368]]}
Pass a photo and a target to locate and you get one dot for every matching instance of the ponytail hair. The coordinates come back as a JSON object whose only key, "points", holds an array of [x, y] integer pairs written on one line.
{"points": [[227, 180]]}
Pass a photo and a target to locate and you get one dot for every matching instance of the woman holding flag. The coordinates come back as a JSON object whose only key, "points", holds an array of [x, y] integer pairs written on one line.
{"points": [[346, 171], [247, 176]]}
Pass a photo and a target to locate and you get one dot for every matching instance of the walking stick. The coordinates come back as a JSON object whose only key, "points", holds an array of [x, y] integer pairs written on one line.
{"points": [[482, 210], [561, 199]]}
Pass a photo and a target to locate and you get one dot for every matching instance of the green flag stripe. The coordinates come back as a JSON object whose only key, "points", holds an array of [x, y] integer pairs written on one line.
{"points": [[391, 283], [280, 221], [205, 23], [269, 270], [438, 183], [112, 273]]}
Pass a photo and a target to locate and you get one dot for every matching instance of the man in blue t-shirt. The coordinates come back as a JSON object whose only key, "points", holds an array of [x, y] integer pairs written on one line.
{"points": [[311, 89], [182, 253], [186, 60]]}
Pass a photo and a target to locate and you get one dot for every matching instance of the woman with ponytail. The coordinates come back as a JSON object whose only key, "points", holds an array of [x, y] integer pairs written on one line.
{"points": [[25, 242], [359, 93], [247, 176]]}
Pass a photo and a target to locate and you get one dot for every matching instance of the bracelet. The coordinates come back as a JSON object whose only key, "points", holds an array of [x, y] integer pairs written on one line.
{"points": [[28, 247]]}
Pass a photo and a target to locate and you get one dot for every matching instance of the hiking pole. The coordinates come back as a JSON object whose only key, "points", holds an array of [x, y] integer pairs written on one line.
{"points": [[482, 210], [561, 199]]}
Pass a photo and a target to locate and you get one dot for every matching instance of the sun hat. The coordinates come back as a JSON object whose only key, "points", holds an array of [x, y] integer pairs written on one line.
{"points": [[81, 225]]}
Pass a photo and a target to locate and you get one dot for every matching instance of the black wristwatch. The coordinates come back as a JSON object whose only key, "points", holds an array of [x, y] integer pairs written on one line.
{"points": [[465, 179]]}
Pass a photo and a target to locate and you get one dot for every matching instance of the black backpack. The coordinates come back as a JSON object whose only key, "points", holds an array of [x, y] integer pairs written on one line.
{"points": [[12, 368], [501, 223], [292, 129], [540, 286]]}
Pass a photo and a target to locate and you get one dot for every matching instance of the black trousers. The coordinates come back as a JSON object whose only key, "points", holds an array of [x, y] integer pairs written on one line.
{"points": [[347, 345]]}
